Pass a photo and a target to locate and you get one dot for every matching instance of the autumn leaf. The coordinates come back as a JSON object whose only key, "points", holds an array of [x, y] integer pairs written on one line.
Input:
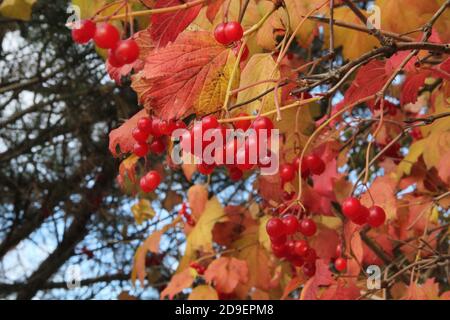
{"points": [[189, 170], [429, 290], [382, 191], [165, 27], [142, 210], [226, 273], [122, 138], [197, 197], [342, 290], [203, 292], [17, 9], [322, 277], [127, 168], [178, 283], [175, 76]]}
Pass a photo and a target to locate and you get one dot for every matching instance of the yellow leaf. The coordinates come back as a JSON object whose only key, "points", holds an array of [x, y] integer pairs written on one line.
{"points": [[212, 95], [413, 155], [260, 67], [200, 237], [142, 211], [263, 236], [17, 9], [203, 292], [88, 7]]}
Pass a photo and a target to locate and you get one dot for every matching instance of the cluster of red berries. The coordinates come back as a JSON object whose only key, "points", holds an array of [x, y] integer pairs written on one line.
{"points": [[183, 212], [150, 181], [231, 32], [233, 149], [106, 36], [197, 267], [311, 164], [282, 232], [359, 214]]}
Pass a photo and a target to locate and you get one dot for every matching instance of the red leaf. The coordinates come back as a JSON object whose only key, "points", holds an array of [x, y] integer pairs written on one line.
{"points": [[323, 277], [411, 86], [369, 80], [173, 76], [342, 290], [166, 27], [226, 273], [213, 9], [122, 135]]}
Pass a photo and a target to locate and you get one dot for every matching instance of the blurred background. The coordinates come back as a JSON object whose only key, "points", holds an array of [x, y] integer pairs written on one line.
{"points": [[66, 229]]}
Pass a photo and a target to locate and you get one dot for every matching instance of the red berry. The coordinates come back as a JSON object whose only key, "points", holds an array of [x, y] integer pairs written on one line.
{"points": [[167, 127], [242, 124], [308, 227], [85, 32], [157, 146], [205, 169], [290, 245], [209, 122], [112, 60], [376, 217], [290, 223], [362, 216], [278, 240], [305, 169], [279, 250], [106, 36], [243, 161], [150, 181], [297, 261], [315, 164], [126, 51], [139, 135], [145, 124], [310, 255], [309, 269], [233, 31], [140, 149], [301, 247], [263, 123], [275, 227], [340, 264], [219, 34], [351, 207], [416, 133], [245, 51], [156, 131], [235, 174], [287, 172]]}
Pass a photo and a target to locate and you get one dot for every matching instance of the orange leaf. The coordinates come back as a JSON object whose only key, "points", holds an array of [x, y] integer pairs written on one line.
{"points": [[178, 283], [197, 196], [226, 273]]}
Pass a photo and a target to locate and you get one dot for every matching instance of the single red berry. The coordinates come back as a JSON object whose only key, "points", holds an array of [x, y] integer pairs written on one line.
{"points": [[278, 240], [140, 149], [245, 51], [233, 31], [362, 216], [112, 60], [126, 51], [309, 269], [279, 250], [301, 247], [156, 131], [139, 135], [290, 245], [205, 169], [145, 124], [340, 264], [287, 196], [242, 124], [315, 164], [275, 227], [287, 172], [209, 122], [235, 174], [310, 255], [416, 134], [290, 223], [167, 127], [308, 227], [150, 181], [262, 123], [219, 34], [106, 36], [351, 207], [376, 217], [85, 32], [305, 169], [157, 146]]}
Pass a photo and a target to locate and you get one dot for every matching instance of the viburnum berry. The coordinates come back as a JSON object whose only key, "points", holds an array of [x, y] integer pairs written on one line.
{"points": [[362, 216], [308, 227], [85, 32], [235, 174], [278, 240], [157, 146], [340, 264], [309, 269], [376, 217], [106, 36], [145, 124], [315, 164], [279, 250], [290, 247], [243, 159], [209, 122], [126, 51], [305, 169], [242, 124], [150, 181], [219, 34], [197, 267], [275, 227], [140, 149], [139, 135], [351, 207], [156, 131], [290, 224], [310, 255], [112, 60], [287, 172], [262, 123], [166, 127], [416, 134], [245, 51], [205, 169], [301, 247], [233, 31]]}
